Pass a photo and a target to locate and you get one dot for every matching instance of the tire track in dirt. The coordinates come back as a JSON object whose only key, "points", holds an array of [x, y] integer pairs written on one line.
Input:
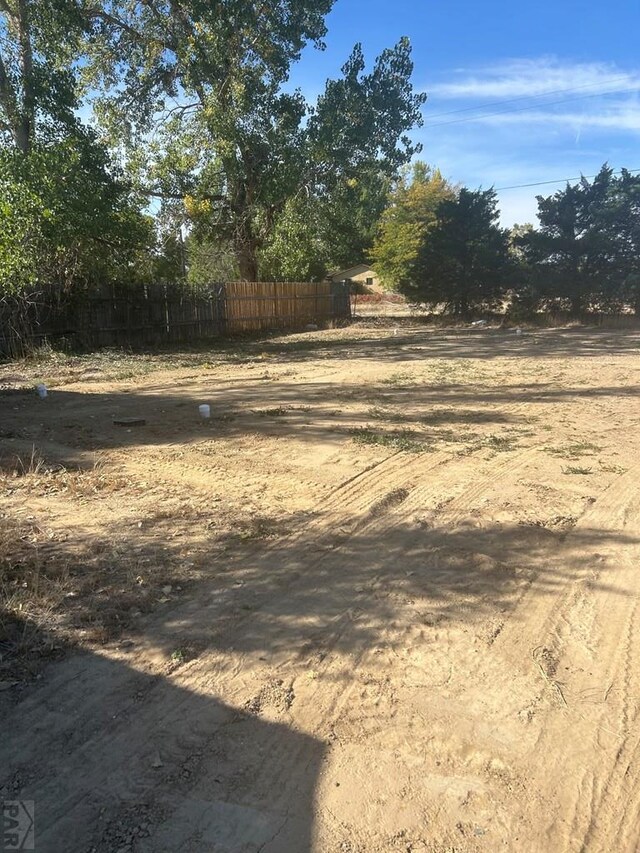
{"points": [[601, 659], [483, 484], [554, 616], [612, 821], [412, 473], [113, 746]]}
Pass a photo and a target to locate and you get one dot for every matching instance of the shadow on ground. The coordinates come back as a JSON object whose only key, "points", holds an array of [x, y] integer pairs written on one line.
{"points": [[404, 344], [401, 343], [117, 759], [70, 422]]}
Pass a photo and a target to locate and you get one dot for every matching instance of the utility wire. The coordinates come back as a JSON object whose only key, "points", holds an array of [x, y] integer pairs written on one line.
{"points": [[528, 107], [529, 97], [559, 181]]}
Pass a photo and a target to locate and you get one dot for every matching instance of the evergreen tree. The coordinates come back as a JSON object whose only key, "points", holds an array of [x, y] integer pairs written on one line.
{"points": [[464, 259], [572, 256]]}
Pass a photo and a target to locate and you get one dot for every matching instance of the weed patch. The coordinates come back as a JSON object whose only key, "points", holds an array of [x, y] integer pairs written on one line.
{"points": [[576, 469], [612, 469], [404, 440], [400, 378], [573, 451]]}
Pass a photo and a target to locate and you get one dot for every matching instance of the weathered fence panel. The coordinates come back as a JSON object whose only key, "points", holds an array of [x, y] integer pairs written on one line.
{"points": [[150, 316], [255, 306]]}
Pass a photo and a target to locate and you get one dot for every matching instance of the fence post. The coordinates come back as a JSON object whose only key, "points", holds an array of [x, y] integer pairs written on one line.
{"points": [[221, 303]]}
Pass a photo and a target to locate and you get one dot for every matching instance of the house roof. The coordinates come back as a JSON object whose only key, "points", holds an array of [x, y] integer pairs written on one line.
{"points": [[350, 271]]}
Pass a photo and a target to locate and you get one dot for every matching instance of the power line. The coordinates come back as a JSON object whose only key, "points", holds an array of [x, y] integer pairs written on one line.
{"points": [[528, 97], [559, 181], [528, 107]]}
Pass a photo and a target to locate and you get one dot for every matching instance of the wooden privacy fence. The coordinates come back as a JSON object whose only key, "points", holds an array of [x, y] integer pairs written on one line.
{"points": [[253, 305], [156, 315]]}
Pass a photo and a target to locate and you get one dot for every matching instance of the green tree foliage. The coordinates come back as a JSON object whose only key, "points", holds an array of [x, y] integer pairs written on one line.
{"points": [[624, 225], [349, 216], [315, 234], [524, 298], [65, 222], [210, 80], [464, 259], [585, 253], [405, 224], [39, 44], [296, 250], [209, 263], [570, 253]]}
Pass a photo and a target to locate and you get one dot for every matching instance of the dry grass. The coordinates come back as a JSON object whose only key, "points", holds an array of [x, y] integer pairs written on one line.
{"points": [[55, 592], [60, 585], [64, 582], [39, 478], [58, 368], [31, 589]]}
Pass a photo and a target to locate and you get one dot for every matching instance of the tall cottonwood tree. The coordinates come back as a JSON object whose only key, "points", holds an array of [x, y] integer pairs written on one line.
{"points": [[39, 44], [209, 78], [66, 220]]}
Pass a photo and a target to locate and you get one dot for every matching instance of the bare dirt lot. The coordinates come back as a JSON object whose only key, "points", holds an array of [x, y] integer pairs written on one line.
{"points": [[385, 599]]}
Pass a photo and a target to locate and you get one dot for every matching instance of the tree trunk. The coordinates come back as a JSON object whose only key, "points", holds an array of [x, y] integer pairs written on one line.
{"points": [[21, 133], [17, 94], [246, 247], [576, 306], [246, 255], [461, 306]]}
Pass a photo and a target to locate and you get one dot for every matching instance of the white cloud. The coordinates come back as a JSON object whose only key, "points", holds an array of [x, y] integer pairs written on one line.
{"points": [[501, 125], [618, 117], [534, 77]]}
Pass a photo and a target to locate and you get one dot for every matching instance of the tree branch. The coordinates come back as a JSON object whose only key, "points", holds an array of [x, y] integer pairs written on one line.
{"points": [[181, 108], [8, 98], [124, 26], [180, 196], [28, 97]]}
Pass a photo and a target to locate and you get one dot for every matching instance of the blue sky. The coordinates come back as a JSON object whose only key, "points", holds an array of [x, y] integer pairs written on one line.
{"points": [[509, 65]]}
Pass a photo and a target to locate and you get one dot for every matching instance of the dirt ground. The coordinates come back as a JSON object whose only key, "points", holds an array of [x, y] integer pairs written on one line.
{"points": [[385, 599]]}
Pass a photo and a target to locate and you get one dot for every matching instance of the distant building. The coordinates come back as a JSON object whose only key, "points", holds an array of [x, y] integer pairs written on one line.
{"points": [[360, 274]]}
